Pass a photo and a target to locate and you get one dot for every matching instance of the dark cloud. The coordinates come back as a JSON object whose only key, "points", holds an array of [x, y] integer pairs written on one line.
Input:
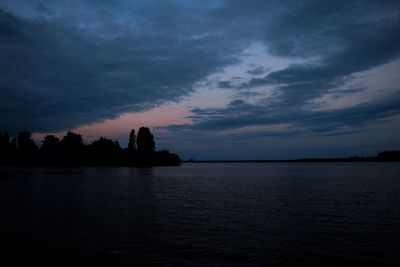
{"points": [[58, 74]]}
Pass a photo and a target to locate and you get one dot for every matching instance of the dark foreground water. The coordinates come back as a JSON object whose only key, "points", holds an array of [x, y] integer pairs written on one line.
{"points": [[312, 214]]}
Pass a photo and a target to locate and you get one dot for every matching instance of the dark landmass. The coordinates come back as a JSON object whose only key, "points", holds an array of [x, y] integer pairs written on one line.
{"points": [[385, 156], [72, 151]]}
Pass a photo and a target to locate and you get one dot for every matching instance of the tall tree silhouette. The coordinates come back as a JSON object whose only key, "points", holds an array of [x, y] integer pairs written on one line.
{"points": [[145, 141], [130, 153], [145, 147], [132, 141]]}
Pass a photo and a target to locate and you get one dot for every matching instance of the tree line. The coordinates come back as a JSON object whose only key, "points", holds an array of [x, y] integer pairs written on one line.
{"points": [[72, 151]]}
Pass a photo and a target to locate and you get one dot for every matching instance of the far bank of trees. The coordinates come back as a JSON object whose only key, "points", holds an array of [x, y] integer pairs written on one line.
{"points": [[72, 151]]}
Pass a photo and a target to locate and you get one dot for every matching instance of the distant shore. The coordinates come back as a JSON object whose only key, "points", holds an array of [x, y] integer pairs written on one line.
{"points": [[386, 156]]}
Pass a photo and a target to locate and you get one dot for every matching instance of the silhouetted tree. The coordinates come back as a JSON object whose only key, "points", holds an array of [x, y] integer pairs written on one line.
{"points": [[72, 139], [13, 143], [4, 140], [50, 149], [72, 148], [105, 151], [5, 148], [50, 143], [26, 147], [132, 141], [145, 141], [145, 147], [388, 156], [130, 153]]}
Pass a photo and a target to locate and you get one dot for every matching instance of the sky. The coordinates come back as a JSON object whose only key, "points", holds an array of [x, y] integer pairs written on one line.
{"points": [[213, 79]]}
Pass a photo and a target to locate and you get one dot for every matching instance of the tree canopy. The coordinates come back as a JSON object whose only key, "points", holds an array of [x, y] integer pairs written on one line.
{"points": [[72, 150]]}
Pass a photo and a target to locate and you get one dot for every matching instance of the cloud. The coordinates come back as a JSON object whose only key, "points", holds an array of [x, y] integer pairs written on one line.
{"points": [[225, 84], [338, 39], [334, 41], [239, 114]]}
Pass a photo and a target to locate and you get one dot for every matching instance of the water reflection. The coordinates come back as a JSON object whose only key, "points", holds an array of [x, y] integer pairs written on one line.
{"points": [[202, 214]]}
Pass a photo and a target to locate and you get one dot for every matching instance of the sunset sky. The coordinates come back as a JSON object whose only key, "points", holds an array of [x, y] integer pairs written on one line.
{"points": [[213, 79]]}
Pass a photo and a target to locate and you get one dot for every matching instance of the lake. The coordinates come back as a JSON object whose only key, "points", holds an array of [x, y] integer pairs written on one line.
{"points": [[220, 214]]}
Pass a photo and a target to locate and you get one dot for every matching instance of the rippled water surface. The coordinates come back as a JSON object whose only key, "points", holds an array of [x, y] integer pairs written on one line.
{"points": [[220, 214]]}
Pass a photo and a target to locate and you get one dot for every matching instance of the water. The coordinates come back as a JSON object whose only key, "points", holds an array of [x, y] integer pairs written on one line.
{"points": [[277, 214]]}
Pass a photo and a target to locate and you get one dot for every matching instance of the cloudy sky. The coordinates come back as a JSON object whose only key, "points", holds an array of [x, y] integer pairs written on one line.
{"points": [[214, 79]]}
